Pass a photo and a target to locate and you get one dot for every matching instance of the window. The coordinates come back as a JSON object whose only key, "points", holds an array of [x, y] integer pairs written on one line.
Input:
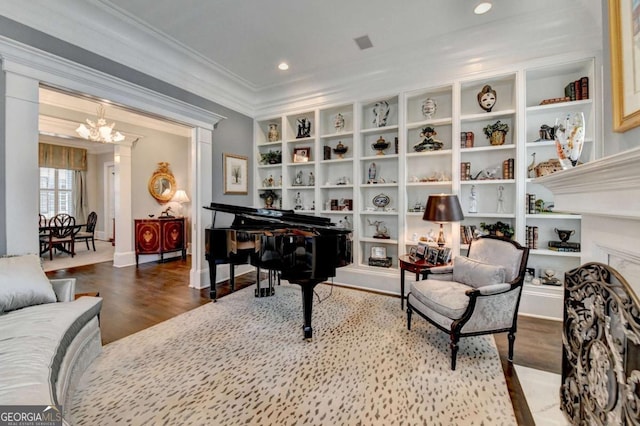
{"points": [[56, 191]]}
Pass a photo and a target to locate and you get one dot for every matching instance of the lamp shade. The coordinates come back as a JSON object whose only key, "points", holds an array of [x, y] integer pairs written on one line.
{"points": [[443, 208], [180, 197]]}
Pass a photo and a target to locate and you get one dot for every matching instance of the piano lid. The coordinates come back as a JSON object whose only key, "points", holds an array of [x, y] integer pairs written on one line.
{"points": [[287, 216]]}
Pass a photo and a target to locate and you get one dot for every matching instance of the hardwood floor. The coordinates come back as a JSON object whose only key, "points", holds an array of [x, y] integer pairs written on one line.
{"points": [[138, 298]]}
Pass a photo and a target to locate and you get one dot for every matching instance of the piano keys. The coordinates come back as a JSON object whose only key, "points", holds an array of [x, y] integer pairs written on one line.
{"points": [[305, 249]]}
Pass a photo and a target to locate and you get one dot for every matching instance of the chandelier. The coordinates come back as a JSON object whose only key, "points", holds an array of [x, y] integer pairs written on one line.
{"points": [[100, 131]]}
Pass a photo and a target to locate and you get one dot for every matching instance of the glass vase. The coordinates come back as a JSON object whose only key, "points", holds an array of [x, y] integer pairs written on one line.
{"points": [[569, 137]]}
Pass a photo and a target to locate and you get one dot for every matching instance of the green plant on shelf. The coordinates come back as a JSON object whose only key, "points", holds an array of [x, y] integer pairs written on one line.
{"points": [[498, 126], [271, 157], [499, 229]]}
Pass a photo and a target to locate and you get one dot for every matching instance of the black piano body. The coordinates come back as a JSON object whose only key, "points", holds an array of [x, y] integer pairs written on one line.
{"points": [[304, 249]]}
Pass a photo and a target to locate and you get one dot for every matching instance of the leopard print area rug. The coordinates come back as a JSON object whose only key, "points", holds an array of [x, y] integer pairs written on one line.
{"points": [[243, 361]]}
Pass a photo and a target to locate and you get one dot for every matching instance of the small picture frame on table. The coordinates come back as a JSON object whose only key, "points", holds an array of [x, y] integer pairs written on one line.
{"points": [[444, 256], [432, 255], [421, 250], [413, 251]]}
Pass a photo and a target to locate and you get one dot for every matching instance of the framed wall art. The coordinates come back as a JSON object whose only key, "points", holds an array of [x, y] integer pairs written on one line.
{"points": [[236, 174], [625, 64]]}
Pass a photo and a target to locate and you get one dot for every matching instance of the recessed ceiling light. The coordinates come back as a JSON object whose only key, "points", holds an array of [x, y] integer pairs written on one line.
{"points": [[483, 7], [283, 66]]}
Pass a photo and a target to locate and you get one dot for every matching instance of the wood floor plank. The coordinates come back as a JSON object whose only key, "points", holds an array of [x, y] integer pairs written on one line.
{"points": [[137, 298]]}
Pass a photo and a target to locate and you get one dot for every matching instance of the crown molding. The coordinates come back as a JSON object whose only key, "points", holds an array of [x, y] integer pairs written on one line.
{"points": [[61, 73], [134, 45]]}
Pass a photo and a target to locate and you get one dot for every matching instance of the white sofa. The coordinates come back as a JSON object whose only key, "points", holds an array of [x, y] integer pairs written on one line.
{"points": [[47, 339]]}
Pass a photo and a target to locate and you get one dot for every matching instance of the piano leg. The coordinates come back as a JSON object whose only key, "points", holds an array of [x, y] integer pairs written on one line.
{"points": [[212, 278], [307, 287]]}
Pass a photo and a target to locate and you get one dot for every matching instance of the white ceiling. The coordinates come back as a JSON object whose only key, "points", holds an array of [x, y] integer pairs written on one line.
{"points": [[248, 38]]}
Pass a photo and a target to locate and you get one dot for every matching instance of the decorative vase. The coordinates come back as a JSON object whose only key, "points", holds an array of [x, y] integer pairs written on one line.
{"points": [[497, 137], [273, 134], [340, 149], [380, 113], [569, 138], [381, 145]]}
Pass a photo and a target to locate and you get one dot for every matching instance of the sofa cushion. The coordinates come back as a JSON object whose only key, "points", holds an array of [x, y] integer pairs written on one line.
{"points": [[476, 274], [448, 298], [33, 344], [23, 283]]}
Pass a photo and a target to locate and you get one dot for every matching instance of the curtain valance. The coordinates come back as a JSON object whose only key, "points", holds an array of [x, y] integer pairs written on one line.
{"points": [[62, 157]]}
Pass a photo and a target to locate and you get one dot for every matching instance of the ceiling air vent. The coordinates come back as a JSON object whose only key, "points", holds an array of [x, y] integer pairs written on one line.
{"points": [[363, 42]]}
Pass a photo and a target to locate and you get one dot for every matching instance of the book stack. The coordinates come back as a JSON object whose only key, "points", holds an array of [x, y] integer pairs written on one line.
{"points": [[532, 237], [565, 246], [530, 204], [507, 169], [577, 90], [466, 233], [465, 170]]}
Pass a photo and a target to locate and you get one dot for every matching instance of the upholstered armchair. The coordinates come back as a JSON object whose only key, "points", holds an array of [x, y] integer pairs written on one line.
{"points": [[477, 294]]}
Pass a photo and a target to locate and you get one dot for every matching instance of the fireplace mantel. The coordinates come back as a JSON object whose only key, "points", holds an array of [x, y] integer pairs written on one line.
{"points": [[606, 192], [609, 186]]}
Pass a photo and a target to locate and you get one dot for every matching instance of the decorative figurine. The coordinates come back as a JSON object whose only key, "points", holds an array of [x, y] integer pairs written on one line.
{"points": [[304, 128], [372, 173], [473, 200], [273, 135], [381, 230], [340, 149], [487, 98], [380, 113], [312, 179], [338, 122], [428, 143], [269, 197], [380, 145], [298, 179], [297, 201], [429, 108], [500, 208]]}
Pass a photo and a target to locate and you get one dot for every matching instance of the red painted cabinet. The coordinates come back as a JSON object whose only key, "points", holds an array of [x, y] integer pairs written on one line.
{"points": [[160, 236]]}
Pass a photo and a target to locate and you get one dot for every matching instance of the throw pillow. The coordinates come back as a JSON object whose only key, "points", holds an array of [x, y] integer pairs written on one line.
{"points": [[476, 274], [23, 283]]}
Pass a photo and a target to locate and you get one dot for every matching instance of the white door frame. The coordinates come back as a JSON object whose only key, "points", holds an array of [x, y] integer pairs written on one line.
{"points": [[25, 69]]}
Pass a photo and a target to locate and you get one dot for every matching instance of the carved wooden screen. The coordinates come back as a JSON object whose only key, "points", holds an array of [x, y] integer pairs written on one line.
{"points": [[601, 348]]}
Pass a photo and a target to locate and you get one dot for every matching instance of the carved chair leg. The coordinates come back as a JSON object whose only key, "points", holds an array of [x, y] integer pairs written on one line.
{"points": [[454, 350], [409, 312], [512, 339]]}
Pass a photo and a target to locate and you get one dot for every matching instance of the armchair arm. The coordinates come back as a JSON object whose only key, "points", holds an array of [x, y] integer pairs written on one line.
{"points": [[65, 289], [488, 290], [445, 269]]}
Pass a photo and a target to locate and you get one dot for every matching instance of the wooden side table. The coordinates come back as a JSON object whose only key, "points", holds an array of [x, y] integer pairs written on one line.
{"points": [[415, 265]]}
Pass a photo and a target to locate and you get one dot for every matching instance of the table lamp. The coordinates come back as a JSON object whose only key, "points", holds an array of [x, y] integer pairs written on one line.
{"points": [[180, 197], [443, 208]]}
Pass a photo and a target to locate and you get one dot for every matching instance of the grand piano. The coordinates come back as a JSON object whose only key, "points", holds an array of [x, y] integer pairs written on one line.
{"points": [[304, 249]]}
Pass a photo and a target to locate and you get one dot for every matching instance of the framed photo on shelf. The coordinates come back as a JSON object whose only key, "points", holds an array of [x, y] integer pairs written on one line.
{"points": [[378, 252], [432, 255], [625, 65], [301, 155], [236, 174]]}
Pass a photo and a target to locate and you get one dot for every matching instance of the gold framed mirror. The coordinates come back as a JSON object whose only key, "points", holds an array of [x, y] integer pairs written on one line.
{"points": [[162, 184]]}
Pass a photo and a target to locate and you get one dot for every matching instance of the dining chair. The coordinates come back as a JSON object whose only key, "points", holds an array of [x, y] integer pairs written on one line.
{"points": [[89, 231], [43, 233], [62, 234]]}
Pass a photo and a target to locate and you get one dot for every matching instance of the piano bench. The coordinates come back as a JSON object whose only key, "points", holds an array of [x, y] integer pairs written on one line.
{"points": [[273, 276]]}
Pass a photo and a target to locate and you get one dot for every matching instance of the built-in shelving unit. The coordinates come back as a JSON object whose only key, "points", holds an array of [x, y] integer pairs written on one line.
{"points": [[408, 171]]}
